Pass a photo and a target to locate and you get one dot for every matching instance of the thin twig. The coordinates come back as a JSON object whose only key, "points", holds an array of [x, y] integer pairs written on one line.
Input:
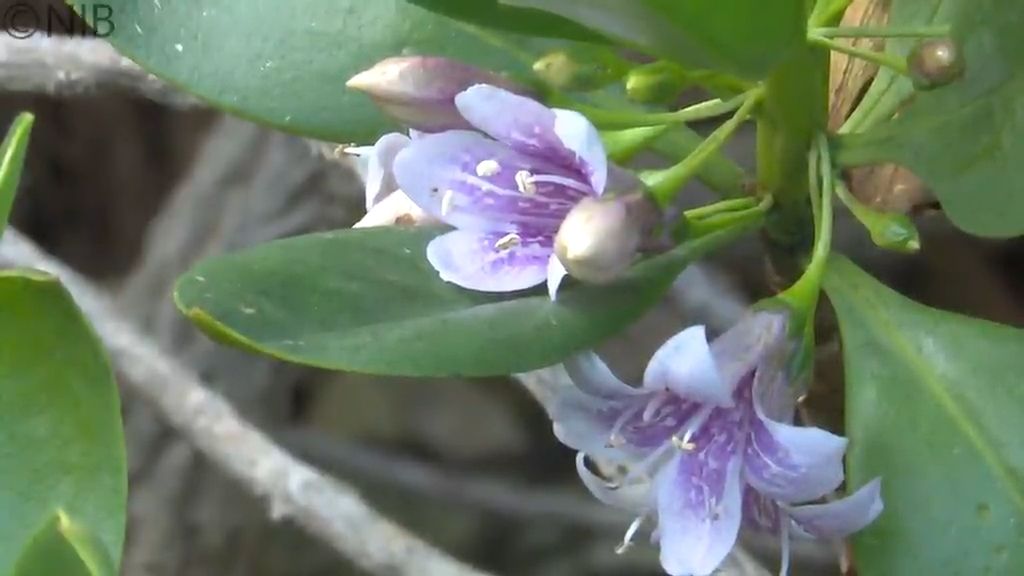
{"points": [[65, 66], [329, 509]]}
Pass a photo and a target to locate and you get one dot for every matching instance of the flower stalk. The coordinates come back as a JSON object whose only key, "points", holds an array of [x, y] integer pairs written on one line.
{"points": [[881, 32], [617, 119]]}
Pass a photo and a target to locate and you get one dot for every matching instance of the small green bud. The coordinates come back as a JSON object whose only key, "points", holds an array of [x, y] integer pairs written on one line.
{"points": [[894, 232], [935, 63], [580, 68], [656, 83], [601, 237]]}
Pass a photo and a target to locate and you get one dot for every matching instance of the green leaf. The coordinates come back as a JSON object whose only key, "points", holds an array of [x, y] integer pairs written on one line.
{"points": [[935, 406], [63, 548], [744, 37], [285, 63], [367, 300], [12, 159], [889, 89], [61, 442], [966, 140], [497, 16]]}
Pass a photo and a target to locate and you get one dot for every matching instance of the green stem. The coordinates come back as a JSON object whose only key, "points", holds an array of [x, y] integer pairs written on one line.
{"points": [[896, 64], [616, 119], [720, 207], [664, 184], [713, 222], [803, 295], [881, 32]]}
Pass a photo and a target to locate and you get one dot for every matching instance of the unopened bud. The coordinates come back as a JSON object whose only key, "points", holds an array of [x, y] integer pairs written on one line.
{"points": [[895, 232], [580, 68], [419, 91], [655, 83], [935, 63], [601, 237]]}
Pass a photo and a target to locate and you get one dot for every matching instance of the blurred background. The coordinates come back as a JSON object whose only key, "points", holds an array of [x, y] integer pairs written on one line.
{"points": [[131, 191]]}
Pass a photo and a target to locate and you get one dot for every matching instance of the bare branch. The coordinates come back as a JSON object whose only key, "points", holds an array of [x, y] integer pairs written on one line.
{"points": [[62, 66], [329, 509]]}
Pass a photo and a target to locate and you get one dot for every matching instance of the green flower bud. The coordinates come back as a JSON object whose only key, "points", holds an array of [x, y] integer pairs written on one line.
{"points": [[656, 83], [601, 237], [580, 68], [894, 232], [935, 63]]}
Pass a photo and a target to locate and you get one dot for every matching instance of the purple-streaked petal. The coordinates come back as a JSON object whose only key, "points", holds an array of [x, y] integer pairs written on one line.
{"points": [[699, 512], [743, 347], [395, 209], [788, 463], [479, 261], [556, 273], [634, 497], [591, 375], [470, 182], [584, 423], [759, 512], [579, 135], [532, 128], [685, 366], [839, 518]]}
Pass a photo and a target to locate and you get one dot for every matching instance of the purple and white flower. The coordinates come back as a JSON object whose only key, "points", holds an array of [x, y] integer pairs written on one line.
{"points": [[708, 444], [506, 188], [386, 204]]}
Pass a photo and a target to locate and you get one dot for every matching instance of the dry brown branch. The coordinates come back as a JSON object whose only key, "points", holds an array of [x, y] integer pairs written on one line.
{"points": [[329, 509]]}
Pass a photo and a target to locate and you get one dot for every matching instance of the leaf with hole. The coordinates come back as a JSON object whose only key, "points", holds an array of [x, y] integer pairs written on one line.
{"points": [[935, 406]]}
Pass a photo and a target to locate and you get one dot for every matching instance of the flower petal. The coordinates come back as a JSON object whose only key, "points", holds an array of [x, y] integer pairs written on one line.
{"points": [[685, 366], [585, 423], [556, 273], [532, 128], [471, 182], [699, 512], [760, 512], [634, 497], [591, 375], [395, 209], [789, 463], [476, 261], [840, 518], [743, 347], [380, 178]]}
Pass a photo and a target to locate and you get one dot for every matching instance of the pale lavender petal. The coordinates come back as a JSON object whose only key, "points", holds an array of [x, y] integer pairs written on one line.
{"points": [[580, 136], [584, 423], [634, 497], [685, 366], [530, 127], [380, 178], [699, 512], [591, 375], [556, 273], [395, 209], [470, 182], [840, 518], [743, 347], [789, 463], [490, 262]]}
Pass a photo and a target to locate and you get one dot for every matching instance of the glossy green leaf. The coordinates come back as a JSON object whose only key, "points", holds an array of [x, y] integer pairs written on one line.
{"points": [[935, 406], [61, 442], [63, 548], [743, 37], [367, 300], [495, 15], [889, 89], [285, 63], [966, 140], [12, 158]]}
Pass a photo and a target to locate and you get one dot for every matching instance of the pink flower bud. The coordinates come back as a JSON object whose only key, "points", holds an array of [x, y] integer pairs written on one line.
{"points": [[419, 91]]}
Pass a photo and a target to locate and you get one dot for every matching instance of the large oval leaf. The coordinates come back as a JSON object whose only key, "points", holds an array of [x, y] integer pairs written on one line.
{"points": [[285, 63], [61, 443], [62, 548], [492, 14], [966, 140], [367, 300], [744, 37], [935, 406]]}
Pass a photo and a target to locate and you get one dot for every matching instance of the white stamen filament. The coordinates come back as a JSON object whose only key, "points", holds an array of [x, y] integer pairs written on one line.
{"points": [[682, 444], [615, 437], [693, 426], [560, 180], [524, 182], [784, 534], [487, 168], [627, 540], [652, 407], [446, 202], [508, 241]]}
